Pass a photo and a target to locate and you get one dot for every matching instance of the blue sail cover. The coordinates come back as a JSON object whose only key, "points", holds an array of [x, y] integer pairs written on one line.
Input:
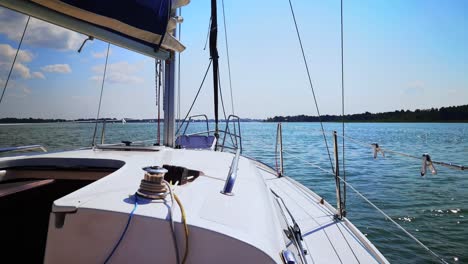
{"points": [[148, 15], [144, 21]]}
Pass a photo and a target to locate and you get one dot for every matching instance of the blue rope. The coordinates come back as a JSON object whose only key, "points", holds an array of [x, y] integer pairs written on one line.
{"points": [[124, 231]]}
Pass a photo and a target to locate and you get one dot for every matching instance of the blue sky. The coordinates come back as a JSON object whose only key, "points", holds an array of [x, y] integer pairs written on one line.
{"points": [[398, 55]]}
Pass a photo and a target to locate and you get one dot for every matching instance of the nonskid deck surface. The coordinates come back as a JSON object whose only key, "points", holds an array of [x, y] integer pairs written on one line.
{"points": [[326, 239], [249, 216]]}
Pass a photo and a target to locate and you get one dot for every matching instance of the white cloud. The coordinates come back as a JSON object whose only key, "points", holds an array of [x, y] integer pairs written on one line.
{"points": [[58, 68], [26, 90], [8, 53], [17, 89], [120, 72], [20, 70], [39, 33], [38, 75], [101, 54]]}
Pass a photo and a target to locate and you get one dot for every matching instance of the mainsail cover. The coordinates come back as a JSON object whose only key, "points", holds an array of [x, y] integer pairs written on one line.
{"points": [[145, 21]]}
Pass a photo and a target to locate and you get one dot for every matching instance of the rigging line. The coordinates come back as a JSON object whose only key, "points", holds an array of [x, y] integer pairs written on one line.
{"points": [[196, 96], [343, 105], [100, 97], [171, 216], [393, 221], [324, 230], [310, 163], [158, 76], [130, 216], [178, 72], [379, 210], [221, 95], [441, 163], [310, 81], [224, 110], [228, 60], [207, 34], [14, 59], [346, 240], [228, 64]]}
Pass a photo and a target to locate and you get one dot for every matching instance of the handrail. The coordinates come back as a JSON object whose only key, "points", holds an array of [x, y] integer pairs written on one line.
{"points": [[340, 202], [279, 139], [235, 132], [23, 148], [231, 179], [209, 131], [235, 136], [191, 118], [103, 132]]}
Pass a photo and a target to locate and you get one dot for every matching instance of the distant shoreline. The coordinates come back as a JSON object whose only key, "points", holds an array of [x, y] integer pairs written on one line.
{"points": [[259, 121], [12, 120], [451, 114]]}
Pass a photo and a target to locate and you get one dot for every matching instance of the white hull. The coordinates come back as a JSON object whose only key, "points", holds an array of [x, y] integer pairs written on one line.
{"points": [[246, 227]]}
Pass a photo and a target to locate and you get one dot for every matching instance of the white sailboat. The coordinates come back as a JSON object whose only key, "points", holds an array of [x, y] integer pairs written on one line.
{"points": [[184, 202]]}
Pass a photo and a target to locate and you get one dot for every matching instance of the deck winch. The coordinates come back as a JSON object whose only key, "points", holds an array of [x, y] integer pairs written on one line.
{"points": [[152, 186]]}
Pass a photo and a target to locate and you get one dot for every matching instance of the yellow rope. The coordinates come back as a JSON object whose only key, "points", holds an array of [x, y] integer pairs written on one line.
{"points": [[184, 220]]}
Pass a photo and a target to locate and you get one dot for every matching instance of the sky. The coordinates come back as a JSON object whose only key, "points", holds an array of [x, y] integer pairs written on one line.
{"points": [[397, 55]]}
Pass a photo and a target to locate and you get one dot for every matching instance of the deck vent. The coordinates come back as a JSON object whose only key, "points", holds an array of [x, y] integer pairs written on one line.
{"points": [[152, 186]]}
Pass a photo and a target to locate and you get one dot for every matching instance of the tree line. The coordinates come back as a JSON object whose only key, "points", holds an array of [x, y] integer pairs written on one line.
{"points": [[443, 114]]}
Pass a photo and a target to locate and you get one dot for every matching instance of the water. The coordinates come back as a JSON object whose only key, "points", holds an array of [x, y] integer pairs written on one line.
{"points": [[433, 208]]}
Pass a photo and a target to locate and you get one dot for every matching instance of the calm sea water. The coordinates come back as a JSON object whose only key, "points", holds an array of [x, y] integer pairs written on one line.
{"points": [[433, 208]]}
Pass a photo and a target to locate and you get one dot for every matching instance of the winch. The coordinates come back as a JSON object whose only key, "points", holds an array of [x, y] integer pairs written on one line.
{"points": [[152, 186]]}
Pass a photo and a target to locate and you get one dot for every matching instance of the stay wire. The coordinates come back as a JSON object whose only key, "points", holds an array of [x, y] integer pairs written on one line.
{"points": [[309, 163], [196, 96], [158, 72], [100, 97], [178, 72], [221, 95], [372, 204], [224, 109], [14, 59], [394, 222], [441, 163], [310, 83], [207, 34], [227, 56], [343, 106]]}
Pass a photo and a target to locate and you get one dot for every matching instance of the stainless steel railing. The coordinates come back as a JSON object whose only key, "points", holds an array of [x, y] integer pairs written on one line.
{"points": [[23, 148]]}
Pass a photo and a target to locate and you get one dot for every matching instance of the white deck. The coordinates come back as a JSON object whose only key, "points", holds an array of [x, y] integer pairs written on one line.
{"points": [[327, 240], [250, 216]]}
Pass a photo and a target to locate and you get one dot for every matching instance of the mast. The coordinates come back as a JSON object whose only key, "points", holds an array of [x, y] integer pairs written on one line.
{"points": [[214, 57], [169, 98]]}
